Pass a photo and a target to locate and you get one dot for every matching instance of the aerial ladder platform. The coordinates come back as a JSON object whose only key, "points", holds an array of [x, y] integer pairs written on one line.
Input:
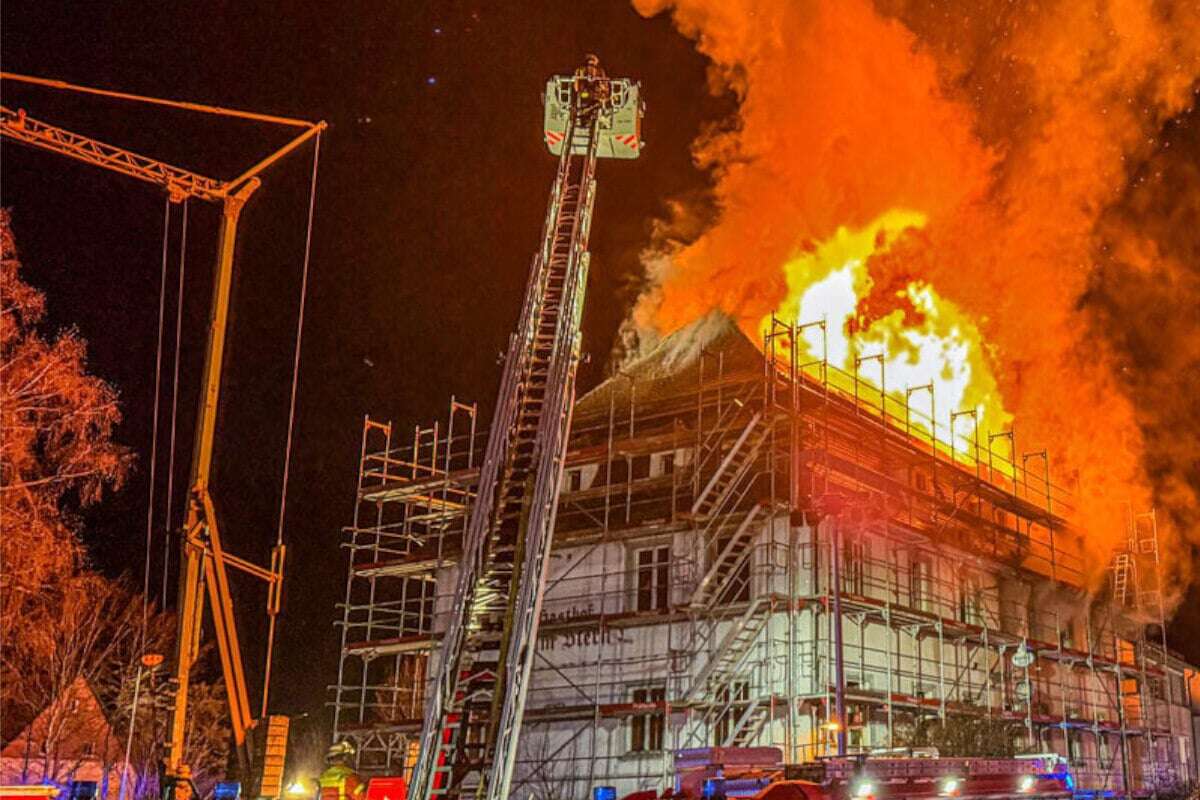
{"points": [[474, 707]]}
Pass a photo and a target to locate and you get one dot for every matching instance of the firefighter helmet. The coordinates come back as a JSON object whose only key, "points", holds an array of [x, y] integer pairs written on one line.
{"points": [[592, 60], [342, 749]]}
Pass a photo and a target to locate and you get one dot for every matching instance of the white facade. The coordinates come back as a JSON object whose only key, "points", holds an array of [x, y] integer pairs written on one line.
{"points": [[690, 595]]}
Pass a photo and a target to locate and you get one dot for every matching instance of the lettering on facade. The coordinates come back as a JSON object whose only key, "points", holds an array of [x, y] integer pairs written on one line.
{"points": [[579, 637]]}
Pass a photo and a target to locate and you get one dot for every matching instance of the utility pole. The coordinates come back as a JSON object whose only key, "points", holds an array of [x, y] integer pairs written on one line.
{"points": [[839, 667], [834, 507]]}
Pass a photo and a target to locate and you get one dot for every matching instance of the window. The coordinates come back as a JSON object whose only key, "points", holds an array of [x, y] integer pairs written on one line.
{"points": [[1179, 695], [734, 698], [1074, 749], [1001, 517], [639, 467], [853, 568], [1066, 636], [646, 728], [663, 464], [574, 479], [970, 599], [653, 565], [1104, 751], [920, 581]]}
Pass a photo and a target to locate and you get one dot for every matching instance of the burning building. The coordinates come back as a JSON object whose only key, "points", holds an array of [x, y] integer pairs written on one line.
{"points": [[758, 547], [804, 520]]}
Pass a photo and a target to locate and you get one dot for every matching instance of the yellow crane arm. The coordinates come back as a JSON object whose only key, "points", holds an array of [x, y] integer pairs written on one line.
{"points": [[179, 182], [204, 559]]}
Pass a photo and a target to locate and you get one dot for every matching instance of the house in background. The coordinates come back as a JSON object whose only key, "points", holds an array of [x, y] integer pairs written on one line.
{"points": [[72, 740]]}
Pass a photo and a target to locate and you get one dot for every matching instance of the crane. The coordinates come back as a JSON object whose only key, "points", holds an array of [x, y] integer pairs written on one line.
{"points": [[474, 708], [205, 562]]}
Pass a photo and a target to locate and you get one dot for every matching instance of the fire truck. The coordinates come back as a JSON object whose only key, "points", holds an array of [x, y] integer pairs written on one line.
{"points": [[712, 773]]}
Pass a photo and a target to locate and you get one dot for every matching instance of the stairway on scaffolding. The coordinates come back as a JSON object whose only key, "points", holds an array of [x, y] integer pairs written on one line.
{"points": [[726, 491], [736, 461], [746, 718], [724, 577], [724, 668], [730, 534]]}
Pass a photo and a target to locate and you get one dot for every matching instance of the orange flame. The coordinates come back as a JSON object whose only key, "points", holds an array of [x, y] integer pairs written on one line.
{"points": [[1008, 130], [924, 340]]}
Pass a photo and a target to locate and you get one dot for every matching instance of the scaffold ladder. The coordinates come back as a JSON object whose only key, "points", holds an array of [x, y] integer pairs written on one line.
{"points": [[1122, 569], [474, 708]]}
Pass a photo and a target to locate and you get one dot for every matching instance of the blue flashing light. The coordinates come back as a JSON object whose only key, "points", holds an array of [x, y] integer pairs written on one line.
{"points": [[714, 788], [83, 790], [227, 790], [1065, 776], [604, 793]]}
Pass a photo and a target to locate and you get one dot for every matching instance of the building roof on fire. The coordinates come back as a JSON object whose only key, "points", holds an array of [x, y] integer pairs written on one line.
{"points": [[672, 367]]}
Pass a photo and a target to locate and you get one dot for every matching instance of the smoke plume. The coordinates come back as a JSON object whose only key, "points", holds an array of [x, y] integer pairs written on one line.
{"points": [[1046, 144]]}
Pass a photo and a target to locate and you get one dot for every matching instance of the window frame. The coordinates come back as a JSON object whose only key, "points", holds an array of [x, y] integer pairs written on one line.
{"points": [[647, 727], [574, 480], [921, 594], [970, 605], [658, 572]]}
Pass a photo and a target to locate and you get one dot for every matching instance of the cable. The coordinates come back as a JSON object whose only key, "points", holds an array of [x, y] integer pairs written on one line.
{"points": [[287, 452], [162, 301], [174, 406]]}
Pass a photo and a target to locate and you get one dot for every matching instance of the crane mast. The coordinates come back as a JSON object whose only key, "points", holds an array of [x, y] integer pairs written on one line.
{"points": [[475, 705]]}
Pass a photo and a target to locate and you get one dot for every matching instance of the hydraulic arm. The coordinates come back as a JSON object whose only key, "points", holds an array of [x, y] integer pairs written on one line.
{"points": [[475, 705]]}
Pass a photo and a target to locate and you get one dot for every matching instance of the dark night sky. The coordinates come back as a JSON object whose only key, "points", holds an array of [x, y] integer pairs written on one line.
{"points": [[432, 189]]}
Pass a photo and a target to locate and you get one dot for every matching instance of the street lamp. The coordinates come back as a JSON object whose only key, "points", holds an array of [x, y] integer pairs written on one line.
{"points": [[147, 662]]}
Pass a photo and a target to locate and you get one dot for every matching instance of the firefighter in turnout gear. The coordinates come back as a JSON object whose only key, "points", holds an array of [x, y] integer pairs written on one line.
{"points": [[592, 89], [339, 781], [180, 786]]}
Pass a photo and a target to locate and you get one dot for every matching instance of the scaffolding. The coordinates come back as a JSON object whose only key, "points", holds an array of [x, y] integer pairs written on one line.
{"points": [[717, 525]]}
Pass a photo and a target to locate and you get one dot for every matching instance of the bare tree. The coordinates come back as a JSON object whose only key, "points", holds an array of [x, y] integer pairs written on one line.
{"points": [[547, 774], [63, 625], [81, 626], [56, 451]]}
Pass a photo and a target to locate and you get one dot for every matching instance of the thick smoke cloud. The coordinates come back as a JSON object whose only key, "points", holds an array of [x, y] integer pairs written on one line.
{"points": [[1032, 137]]}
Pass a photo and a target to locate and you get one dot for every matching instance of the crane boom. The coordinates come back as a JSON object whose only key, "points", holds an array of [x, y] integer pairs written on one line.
{"points": [[474, 709], [179, 182]]}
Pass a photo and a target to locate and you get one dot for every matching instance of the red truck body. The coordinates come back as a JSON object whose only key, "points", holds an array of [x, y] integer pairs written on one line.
{"points": [[759, 773], [387, 788]]}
